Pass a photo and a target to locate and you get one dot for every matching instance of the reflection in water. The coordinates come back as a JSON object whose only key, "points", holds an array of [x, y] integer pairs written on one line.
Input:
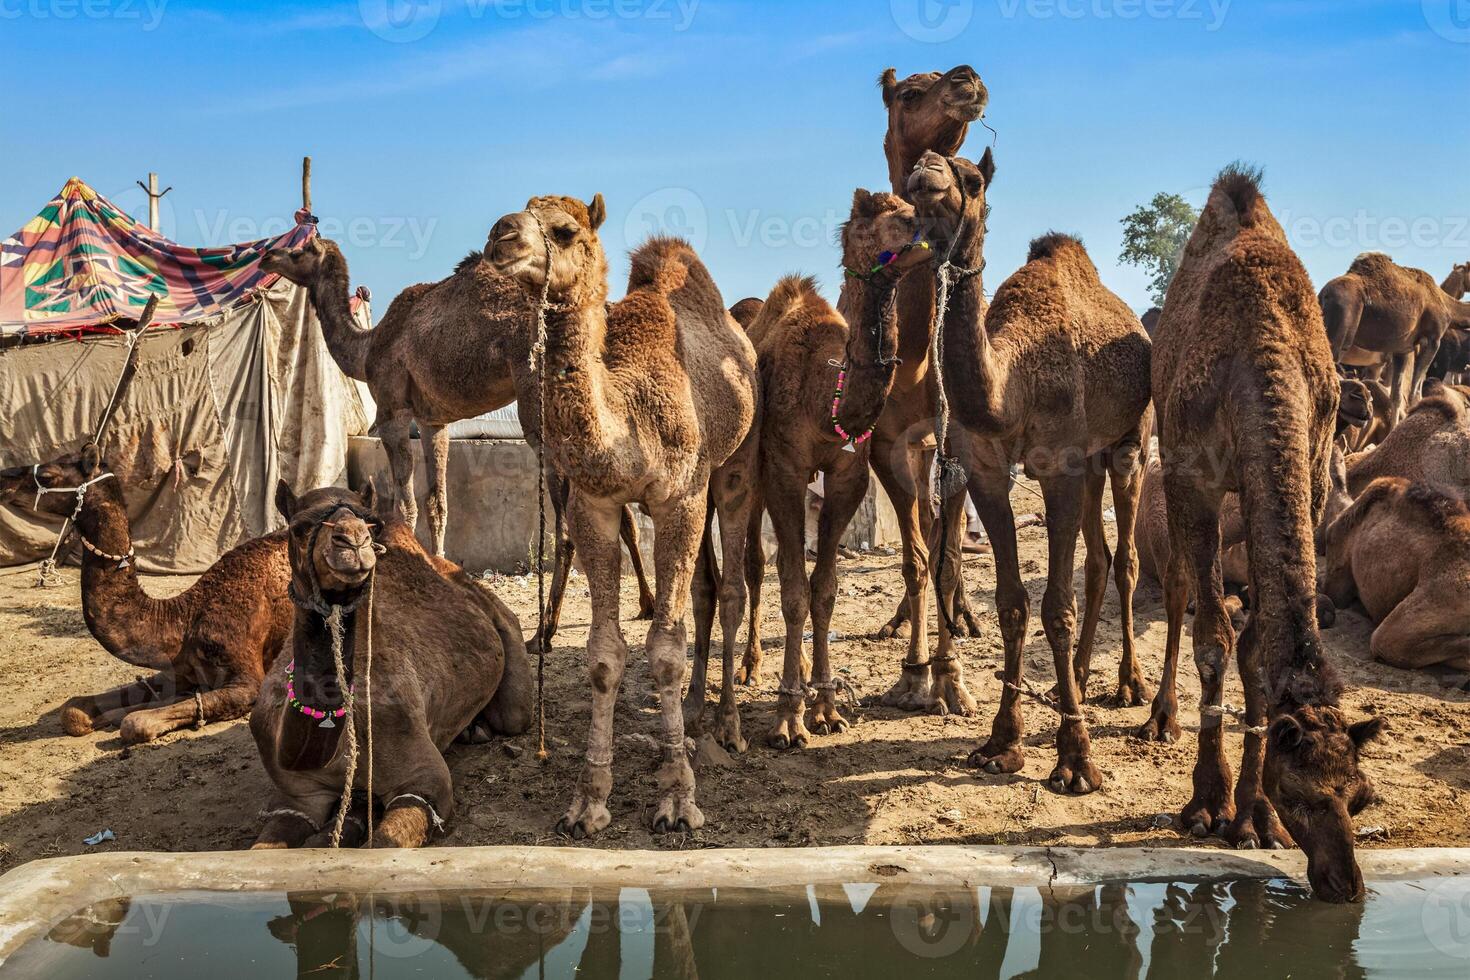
{"points": [[1190, 929]]}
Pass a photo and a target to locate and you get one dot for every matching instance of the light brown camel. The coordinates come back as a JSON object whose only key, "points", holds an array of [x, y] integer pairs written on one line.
{"points": [[1247, 401], [1431, 445], [1457, 283], [1054, 376], [1403, 551], [652, 400], [926, 111], [1381, 308], [210, 644], [444, 351], [444, 652], [824, 375]]}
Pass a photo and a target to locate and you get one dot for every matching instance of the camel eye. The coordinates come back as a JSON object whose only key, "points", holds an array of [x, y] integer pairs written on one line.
{"points": [[910, 95], [564, 234]]}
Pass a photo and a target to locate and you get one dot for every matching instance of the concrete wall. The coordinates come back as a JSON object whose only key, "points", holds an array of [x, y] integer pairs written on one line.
{"points": [[492, 503]]}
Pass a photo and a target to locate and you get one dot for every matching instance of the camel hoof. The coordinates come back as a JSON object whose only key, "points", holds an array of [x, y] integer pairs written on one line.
{"points": [[680, 826], [565, 828], [645, 609], [1198, 829], [997, 762], [1246, 844], [76, 722]]}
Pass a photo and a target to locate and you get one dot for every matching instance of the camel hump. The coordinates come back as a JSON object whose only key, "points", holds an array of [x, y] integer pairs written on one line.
{"points": [[1238, 187], [1371, 263], [470, 261], [664, 263], [1056, 245], [788, 294]]}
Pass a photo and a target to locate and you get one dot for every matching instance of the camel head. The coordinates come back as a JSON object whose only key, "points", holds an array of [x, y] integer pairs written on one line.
{"points": [[949, 195], [929, 111], [563, 231], [1457, 283], [1313, 779], [51, 487], [306, 264], [332, 542], [882, 236]]}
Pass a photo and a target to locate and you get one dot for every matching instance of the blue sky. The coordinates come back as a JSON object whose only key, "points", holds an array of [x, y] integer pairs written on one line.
{"points": [[744, 123]]}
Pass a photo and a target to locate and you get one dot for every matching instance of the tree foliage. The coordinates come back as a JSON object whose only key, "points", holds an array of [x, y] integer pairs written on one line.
{"points": [[1154, 236]]}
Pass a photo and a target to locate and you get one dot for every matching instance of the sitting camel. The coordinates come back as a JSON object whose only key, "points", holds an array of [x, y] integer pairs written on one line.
{"points": [[444, 351], [424, 652], [1403, 551], [825, 376], [210, 644], [1431, 444], [1053, 375], [1247, 401], [649, 400], [1381, 308]]}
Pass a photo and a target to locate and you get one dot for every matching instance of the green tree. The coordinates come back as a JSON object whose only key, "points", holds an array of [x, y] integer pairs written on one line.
{"points": [[1154, 236]]}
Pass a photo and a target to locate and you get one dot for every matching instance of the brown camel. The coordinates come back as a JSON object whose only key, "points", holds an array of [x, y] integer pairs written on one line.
{"points": [[649, 400], [928, 111], [424, 650], [746, 311], [1431, 445], [210, 644], [1403, 551], [1247, 400], [444, 351], [1381, 308], [1457, 283], [1054, 375], [824, 377]]}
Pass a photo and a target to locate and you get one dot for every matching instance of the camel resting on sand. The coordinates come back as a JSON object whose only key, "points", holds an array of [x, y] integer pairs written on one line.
{"points": [[1403, 550], [1431, 444], [444, 652]]}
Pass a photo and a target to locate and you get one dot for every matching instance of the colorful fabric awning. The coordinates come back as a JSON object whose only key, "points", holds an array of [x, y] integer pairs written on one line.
{"points": [[82, 262]]}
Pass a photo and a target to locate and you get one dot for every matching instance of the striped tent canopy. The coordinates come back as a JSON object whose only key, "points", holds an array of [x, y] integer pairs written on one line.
{"points": [[83, 263]]}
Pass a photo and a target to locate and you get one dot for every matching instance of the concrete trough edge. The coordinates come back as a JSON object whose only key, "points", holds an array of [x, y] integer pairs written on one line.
{"points": [[35, 896]]}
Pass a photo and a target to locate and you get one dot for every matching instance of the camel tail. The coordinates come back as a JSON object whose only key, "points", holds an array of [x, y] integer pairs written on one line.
{"points": [[512, 709]]}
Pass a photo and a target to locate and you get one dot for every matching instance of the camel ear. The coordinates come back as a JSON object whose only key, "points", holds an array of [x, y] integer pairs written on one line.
{"points": [[91, 458], [1364, 732], [987, 167], [888, 82], [285, 499], [597, 211], [862, 202], [1285, 734], [369, 495]]}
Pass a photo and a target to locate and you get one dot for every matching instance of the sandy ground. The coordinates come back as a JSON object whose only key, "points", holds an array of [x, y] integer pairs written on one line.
{"points": [[892, 778]]}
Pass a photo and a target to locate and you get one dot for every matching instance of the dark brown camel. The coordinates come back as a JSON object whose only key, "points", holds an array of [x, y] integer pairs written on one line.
{"points": [[444, 351], [444, 653], [1053, 375], [210, 644], [1247, 401], [811, 356], [927, 111]]}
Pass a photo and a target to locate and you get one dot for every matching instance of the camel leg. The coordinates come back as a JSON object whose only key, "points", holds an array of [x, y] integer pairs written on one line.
{"points": [[84, 714], [1255, 824], [394, 434], [594, 526], [911, 691], [704, 589], [1400, 389], [786, 503], [407, 820], [963, 617], [231, 701], [561, 562], [1063, 496], [947, 692], [1163, 719], [990, 489], [846, 485], [434, 440], [1095, 568], [916, 471], [734, 496], [1194, 534], [1427, 629], [1423, 356], [755, 574], [292, 822], [1127, 482], [629, 531], [676, 527]]}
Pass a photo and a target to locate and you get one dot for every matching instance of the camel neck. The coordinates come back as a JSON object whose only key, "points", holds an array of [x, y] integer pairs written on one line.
{"points": [[330, 294], [576, 423], [132, 625], [870, 308], [305, 742], [1454, 284], [973, 376]]}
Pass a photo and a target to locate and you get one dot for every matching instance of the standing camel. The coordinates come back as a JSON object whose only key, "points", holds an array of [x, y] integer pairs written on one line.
{"points": [[444, 351], [1380, 307], [649, 400], [1054, 376], [1247, 400], [824, 376], [444, 653], [928, 111], [210, 644]]}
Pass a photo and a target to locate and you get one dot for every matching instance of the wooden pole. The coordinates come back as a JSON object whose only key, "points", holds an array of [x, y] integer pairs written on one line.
{"points": [[154, 196], [306, 183]]}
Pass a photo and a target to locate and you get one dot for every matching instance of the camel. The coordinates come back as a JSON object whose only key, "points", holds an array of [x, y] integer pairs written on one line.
{"points": [[1457, 283], [824, 377], [1053, 375], [927, 111], [746, 310], [1452, 360], [1247, 398], [424, 649], [1381, 308], [1431, 445], [444, 351], [1150, 320], [1403, 551], [210, 644], [649, 400]]}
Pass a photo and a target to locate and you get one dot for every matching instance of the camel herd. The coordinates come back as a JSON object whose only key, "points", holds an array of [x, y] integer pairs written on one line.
{"points": [[1257, 389]]}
